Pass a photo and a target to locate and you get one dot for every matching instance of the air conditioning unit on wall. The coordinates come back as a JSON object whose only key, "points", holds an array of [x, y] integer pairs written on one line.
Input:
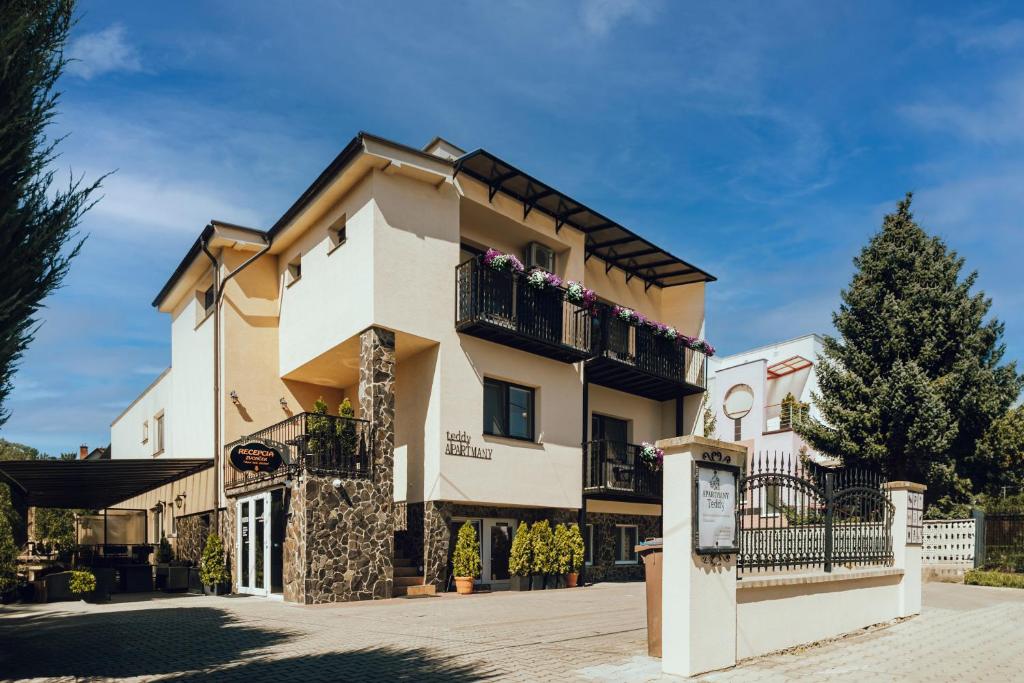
{"points": [[540, 256]]}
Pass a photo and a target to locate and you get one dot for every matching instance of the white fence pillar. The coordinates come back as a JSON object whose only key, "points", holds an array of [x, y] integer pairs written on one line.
{"points": [[907, 539], [698, 591]]}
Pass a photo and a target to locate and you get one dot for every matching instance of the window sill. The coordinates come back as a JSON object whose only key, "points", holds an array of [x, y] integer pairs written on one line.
{"points": [[514, 441], [294, 280], [158, 453], [206, 316], [626, 563], [336, 247]]}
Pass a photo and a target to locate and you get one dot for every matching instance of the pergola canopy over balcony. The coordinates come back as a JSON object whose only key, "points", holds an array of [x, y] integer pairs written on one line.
{"points": [[613, 243]]}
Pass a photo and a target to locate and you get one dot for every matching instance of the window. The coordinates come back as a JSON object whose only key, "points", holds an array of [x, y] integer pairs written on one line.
{"points": [[145, 431], [158, 428], [508, 410], [771, 501], [337, 233], [294, 270], [208, 300], [588, 551], [625, 546]]}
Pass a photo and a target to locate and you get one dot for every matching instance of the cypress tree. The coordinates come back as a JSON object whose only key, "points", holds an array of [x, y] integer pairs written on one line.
{"points": [[37, 219], [914, 379]]}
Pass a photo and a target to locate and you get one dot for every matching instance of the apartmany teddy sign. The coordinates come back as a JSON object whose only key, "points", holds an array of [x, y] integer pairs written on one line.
{"points": [[715, 508]]}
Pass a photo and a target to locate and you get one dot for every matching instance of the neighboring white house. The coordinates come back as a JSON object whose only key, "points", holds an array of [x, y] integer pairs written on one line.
{"points": [[748, 394]]}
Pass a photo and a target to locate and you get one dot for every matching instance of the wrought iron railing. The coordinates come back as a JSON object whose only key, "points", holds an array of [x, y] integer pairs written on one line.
{"points": [[640, 347], [617, 467], [784, 416], [312, 442], [505, 300], [795, 515], [1004, 540]]}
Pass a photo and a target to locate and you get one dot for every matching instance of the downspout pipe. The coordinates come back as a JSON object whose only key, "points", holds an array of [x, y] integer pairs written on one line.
{"points": [[218, 293]]}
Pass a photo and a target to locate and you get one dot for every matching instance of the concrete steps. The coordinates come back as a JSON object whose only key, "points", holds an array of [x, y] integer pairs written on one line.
{"points": [[408, 582]]}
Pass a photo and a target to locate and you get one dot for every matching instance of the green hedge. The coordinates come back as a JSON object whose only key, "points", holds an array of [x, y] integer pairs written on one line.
{"points": [[977, 577]]}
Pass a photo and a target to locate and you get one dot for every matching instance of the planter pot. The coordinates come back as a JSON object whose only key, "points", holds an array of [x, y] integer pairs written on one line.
{"points": [[554, 581], [571, 579], [176, 579], [217, 589], [537, 582], [519, 583], [464, 585]]}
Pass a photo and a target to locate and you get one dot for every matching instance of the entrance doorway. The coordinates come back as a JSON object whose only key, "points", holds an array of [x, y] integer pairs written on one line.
{"points": [[494, 537], [260, 534]]}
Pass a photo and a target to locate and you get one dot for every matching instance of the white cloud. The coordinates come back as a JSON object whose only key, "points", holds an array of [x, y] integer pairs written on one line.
{"points": [[106, 51], [601, 16], [999, 119]]}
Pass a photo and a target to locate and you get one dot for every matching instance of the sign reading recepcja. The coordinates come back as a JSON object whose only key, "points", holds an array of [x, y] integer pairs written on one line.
{"points": [[716, 487], [256, 456]]}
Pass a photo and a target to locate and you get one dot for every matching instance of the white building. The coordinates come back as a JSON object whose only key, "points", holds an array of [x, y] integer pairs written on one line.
{"points": [[748, 393]]}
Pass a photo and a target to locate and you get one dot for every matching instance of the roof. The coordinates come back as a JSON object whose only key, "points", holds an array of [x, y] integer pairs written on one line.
{"points": [[94, 484], [616, 245], [194, 251], [788, 366], [613, 243]]}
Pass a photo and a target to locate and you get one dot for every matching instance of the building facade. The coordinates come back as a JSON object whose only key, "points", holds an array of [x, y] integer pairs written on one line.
{"points": [[382, 339], [757, 397]]}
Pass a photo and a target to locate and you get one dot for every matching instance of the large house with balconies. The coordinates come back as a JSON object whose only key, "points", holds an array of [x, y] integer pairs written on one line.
{"points": [[425, 337]]}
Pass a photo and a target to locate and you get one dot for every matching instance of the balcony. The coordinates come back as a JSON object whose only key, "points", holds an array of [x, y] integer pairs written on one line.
{"points": [[501, 307], [633, 359], [318, 444], [615, 471]]}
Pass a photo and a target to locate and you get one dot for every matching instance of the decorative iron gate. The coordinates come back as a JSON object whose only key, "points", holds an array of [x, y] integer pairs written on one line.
{"points": [[794, 514]]}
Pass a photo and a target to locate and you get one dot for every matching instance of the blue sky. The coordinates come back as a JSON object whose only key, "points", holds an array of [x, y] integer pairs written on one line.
{"points": [[762, 141]]}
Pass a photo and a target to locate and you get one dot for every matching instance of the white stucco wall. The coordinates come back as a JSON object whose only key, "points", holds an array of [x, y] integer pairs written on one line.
{"points": [[126, 432], [190, 420]]}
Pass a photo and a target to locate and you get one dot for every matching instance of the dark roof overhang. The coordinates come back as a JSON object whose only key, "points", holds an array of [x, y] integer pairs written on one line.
{"points": [[93, 484], [613, 243]]}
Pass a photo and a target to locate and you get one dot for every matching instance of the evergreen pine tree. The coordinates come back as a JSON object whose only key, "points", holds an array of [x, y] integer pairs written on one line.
{"points": [[520, 561], [466, 560], [914, 379], [37, 219], [212, 570]]}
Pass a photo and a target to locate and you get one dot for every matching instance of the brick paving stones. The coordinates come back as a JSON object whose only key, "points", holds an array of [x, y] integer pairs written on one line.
{"points": [[595, 634]]}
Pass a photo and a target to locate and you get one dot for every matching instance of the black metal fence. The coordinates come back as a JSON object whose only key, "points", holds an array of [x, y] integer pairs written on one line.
{"points": [[1004, 540], [640, 346], [616, 467], [794, 514], [506, 300], [316, 443]]}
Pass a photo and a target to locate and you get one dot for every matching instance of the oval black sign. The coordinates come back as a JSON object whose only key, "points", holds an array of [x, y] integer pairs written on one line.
{"points": [[254, 456]]}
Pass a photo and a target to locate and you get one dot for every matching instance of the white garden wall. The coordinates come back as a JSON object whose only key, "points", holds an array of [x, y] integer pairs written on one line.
{"points": [[778, 612]]}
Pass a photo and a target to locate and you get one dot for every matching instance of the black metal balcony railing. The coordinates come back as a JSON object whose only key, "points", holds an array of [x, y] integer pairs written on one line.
{"points": [[501, 307], [633, 358], [315, 443], [616, 469]]}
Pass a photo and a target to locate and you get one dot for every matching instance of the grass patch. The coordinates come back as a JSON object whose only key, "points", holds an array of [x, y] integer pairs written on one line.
{"points": [[978, 577]]}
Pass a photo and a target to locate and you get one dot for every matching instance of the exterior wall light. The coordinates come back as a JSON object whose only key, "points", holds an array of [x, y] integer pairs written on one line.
{"points": [[179, 500], [234, 397], [336, 483], [284, 403]]}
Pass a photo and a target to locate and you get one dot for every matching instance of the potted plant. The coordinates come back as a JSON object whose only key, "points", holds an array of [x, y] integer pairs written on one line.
{"points": [[520, 559], [575, 552], [162, 559], [542, 547], [561, 555], [83, 583], [466, 561], [213, 573]]}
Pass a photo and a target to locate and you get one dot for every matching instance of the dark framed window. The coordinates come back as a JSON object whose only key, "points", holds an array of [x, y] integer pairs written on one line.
{"points": [[508, 410], [208, 299]]}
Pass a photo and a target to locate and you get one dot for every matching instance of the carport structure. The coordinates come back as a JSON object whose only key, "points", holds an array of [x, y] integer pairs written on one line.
{"points": [[92, 484]]}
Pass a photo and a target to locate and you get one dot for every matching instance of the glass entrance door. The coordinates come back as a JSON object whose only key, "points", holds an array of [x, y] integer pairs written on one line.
{"points": [[254, 535], [494, 537]]}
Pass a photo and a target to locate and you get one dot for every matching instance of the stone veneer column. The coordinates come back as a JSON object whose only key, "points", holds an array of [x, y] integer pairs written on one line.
{"points": [[377, 404]]}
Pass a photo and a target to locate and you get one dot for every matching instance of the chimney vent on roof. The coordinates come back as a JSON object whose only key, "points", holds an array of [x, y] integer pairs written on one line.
{"points": [[83, 451]]}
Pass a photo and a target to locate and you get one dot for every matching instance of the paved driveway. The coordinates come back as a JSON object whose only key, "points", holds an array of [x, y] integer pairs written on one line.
{"points": [[596, 634]]}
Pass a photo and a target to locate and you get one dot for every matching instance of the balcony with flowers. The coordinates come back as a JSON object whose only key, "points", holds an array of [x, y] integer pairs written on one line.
{"points": [[498, 300], [635, 354], [616, 470]]}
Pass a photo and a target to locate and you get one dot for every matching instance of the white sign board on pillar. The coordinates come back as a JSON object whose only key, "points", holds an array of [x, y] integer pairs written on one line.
{"points": [[714, 501]]}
